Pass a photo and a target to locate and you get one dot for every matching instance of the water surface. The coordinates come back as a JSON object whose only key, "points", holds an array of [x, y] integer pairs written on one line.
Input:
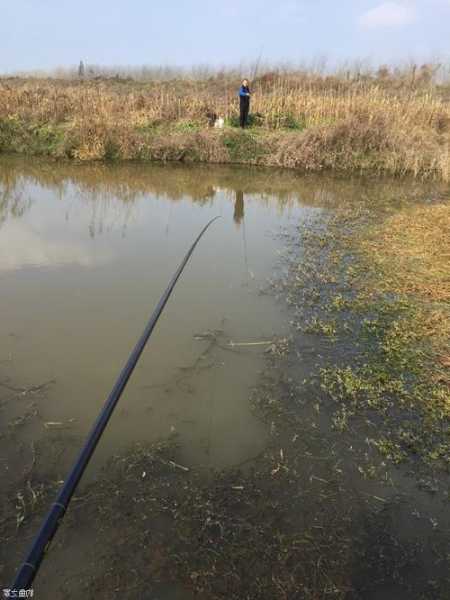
{"points": [[85, 253]]}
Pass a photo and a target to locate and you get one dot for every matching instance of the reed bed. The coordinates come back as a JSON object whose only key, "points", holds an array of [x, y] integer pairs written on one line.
{"points": [[311, 124]]}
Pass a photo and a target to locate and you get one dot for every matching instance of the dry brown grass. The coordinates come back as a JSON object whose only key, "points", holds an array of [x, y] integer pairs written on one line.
{"points": [[277, 100], [411, 254], [417, 242], [332, 123]]}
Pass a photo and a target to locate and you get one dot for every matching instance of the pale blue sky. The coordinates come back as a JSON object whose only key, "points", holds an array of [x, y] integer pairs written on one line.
{"points": [[42, 34]]}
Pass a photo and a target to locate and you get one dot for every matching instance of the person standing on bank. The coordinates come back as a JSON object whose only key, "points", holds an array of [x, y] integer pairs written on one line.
{"points": [[244, 98]]}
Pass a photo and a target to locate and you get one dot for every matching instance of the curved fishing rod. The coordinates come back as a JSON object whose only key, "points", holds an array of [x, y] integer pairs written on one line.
{"points": [[30, 566]]}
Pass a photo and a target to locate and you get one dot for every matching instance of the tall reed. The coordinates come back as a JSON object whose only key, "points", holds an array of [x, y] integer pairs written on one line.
{"points": [[408, 121]]}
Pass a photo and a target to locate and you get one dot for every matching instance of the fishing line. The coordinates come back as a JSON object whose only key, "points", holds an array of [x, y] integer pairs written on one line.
{"points": [[212, 409], [31, 564], [244, 237]]}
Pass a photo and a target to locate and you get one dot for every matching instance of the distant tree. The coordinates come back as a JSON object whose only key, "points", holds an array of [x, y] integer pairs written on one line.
{"points": [[383, 72], [426, 73], [81, 69], [413, 74]]}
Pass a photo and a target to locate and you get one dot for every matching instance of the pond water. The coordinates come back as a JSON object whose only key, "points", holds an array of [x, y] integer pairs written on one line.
{"points": [[85, 253]]}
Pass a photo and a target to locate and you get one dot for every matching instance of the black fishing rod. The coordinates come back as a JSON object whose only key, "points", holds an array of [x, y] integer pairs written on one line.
{"points": [[30, 566]]}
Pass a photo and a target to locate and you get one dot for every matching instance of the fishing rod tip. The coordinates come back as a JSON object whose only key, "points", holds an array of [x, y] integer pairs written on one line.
{"points": [[214, 219]]}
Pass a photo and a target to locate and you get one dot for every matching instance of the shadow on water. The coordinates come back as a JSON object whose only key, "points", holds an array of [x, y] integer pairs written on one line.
{"points": [[85, 251]]}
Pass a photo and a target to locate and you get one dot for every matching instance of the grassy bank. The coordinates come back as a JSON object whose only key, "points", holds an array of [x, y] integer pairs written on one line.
{"points": [[374, 286], [311, 123]]}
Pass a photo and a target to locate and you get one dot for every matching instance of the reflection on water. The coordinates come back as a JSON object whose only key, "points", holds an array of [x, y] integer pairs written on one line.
{"points": [[110, 192], [21, 245], [85, 252], [239, 207]]}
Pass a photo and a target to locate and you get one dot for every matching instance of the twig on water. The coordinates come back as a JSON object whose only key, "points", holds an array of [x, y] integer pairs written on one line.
{"points": [[177, 466], [232, 344]]}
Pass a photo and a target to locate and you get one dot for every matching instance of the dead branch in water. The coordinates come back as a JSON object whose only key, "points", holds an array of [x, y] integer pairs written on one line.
{"points": [[24, 391]]}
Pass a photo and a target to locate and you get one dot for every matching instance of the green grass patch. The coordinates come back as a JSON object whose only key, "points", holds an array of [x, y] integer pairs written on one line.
{"points": [[187, 126], [243, 146]]}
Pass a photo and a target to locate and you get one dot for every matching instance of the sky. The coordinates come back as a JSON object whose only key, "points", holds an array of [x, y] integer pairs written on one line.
{"points": [[45, 34]]}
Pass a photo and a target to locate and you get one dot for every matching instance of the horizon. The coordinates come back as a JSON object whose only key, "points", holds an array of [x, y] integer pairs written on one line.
{"points": [[217, 35]]}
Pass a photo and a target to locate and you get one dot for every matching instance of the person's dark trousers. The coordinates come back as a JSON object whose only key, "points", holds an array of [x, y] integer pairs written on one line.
{"points": [[245, 107]]}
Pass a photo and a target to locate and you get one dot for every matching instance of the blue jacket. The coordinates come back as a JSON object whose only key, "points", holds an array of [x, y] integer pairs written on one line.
{"points": [[244, 91]]}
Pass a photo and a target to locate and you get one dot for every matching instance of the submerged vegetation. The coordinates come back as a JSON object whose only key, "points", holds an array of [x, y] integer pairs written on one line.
{"points": [[393, 122]]}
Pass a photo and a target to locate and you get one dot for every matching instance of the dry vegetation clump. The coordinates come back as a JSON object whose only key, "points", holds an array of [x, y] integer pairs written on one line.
{"points": [[385, 122]]}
